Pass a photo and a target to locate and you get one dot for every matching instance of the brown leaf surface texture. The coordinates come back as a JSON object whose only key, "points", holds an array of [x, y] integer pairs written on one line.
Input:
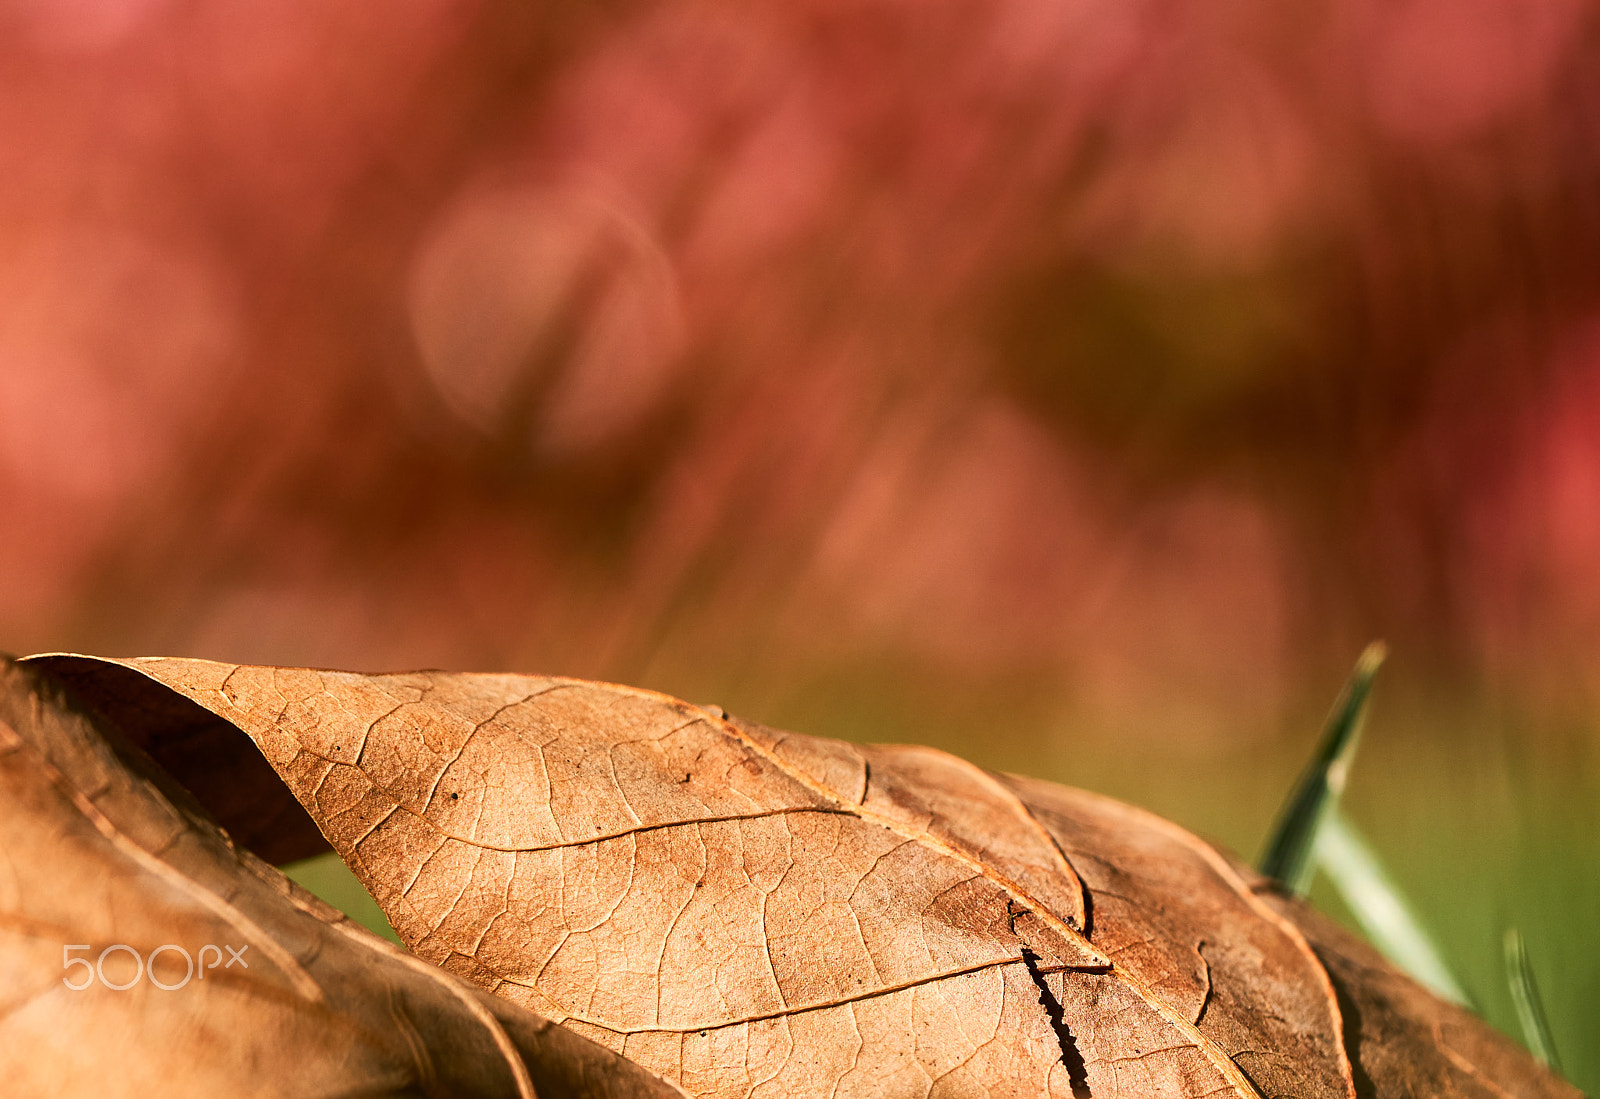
{"points": [[755, 913], [94, 855]]}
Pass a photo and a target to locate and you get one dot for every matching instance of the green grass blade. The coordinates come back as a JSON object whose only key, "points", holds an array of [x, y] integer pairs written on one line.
{"points": [[1352, 868], [1530, 1008], [1290, 854]]}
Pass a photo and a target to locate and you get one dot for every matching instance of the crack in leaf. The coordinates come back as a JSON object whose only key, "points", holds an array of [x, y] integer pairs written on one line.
{"points": [[1071, 1057]]}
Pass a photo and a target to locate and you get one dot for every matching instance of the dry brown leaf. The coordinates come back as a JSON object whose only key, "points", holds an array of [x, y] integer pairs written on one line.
{"points": [[755, 913], [95, 858]]}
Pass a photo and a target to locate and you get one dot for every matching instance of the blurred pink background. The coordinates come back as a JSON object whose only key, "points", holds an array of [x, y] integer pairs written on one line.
{"points": [[1076, 384]]}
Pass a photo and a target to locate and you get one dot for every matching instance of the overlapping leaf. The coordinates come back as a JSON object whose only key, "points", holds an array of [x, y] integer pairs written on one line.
{"points": [[99, 867], [754, 913]]}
